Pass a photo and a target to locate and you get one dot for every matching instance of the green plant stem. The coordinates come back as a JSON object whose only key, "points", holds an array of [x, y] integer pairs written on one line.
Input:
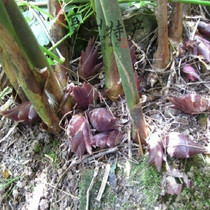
{"points": [[52, 55], [200, 2], [4, 92], [67, 35], [107, 50], [32, 50], [19, 62], [59, 42], [10, 181], [8, 69]]}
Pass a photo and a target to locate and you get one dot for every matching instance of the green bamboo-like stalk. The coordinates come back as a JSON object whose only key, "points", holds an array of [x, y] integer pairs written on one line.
{"points": [[123, 60], [199, 2], [107, 50], [112, 78], [10, 74], [27, 80], [32, 50], [8, 70], [122, 55], [16, 63]]}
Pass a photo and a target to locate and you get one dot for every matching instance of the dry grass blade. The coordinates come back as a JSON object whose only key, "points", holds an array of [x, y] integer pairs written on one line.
{"points": [[104, 181], [90, 187]]}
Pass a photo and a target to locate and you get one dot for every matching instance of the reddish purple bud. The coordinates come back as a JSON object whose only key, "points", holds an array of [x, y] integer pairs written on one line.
{"points": [[79, 134], [137, 79], [132, 52], [191, 103], [107, 139], [155, 148], [191, 72], [204, 29], [170, 171], [102, 120], [84, 95], [23, 113], [203, 47], [89, 63], [173, 188], [179, 146]]}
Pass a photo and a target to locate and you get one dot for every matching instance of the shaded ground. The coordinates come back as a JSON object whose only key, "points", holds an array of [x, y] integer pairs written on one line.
{"points": [[44, 174]]}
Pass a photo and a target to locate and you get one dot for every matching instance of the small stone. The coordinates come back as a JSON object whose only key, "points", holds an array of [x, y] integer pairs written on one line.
{"points": [[69, 175], [68, 208], [28, 171], [117, 205], [15, 193], [59, 171], [44, 204], [186, 132], [20, 184]]}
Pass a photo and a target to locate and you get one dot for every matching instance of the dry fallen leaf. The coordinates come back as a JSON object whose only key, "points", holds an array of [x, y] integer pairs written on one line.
{"points": [[102, 120], [191, 103], [79, 134]]}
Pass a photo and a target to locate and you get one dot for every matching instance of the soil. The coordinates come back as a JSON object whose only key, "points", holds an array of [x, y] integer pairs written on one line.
{"points": [[44, 175]]}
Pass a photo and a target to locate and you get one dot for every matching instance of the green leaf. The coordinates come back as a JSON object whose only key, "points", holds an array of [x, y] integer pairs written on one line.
{"points": [[4, 92]]}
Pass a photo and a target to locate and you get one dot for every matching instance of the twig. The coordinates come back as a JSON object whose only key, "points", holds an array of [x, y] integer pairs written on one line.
{"points": [[129, 144], [195, 29], [90, 187], [38, 4], [9, 133], [104, 181], [140, 145], [170, 78]]}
